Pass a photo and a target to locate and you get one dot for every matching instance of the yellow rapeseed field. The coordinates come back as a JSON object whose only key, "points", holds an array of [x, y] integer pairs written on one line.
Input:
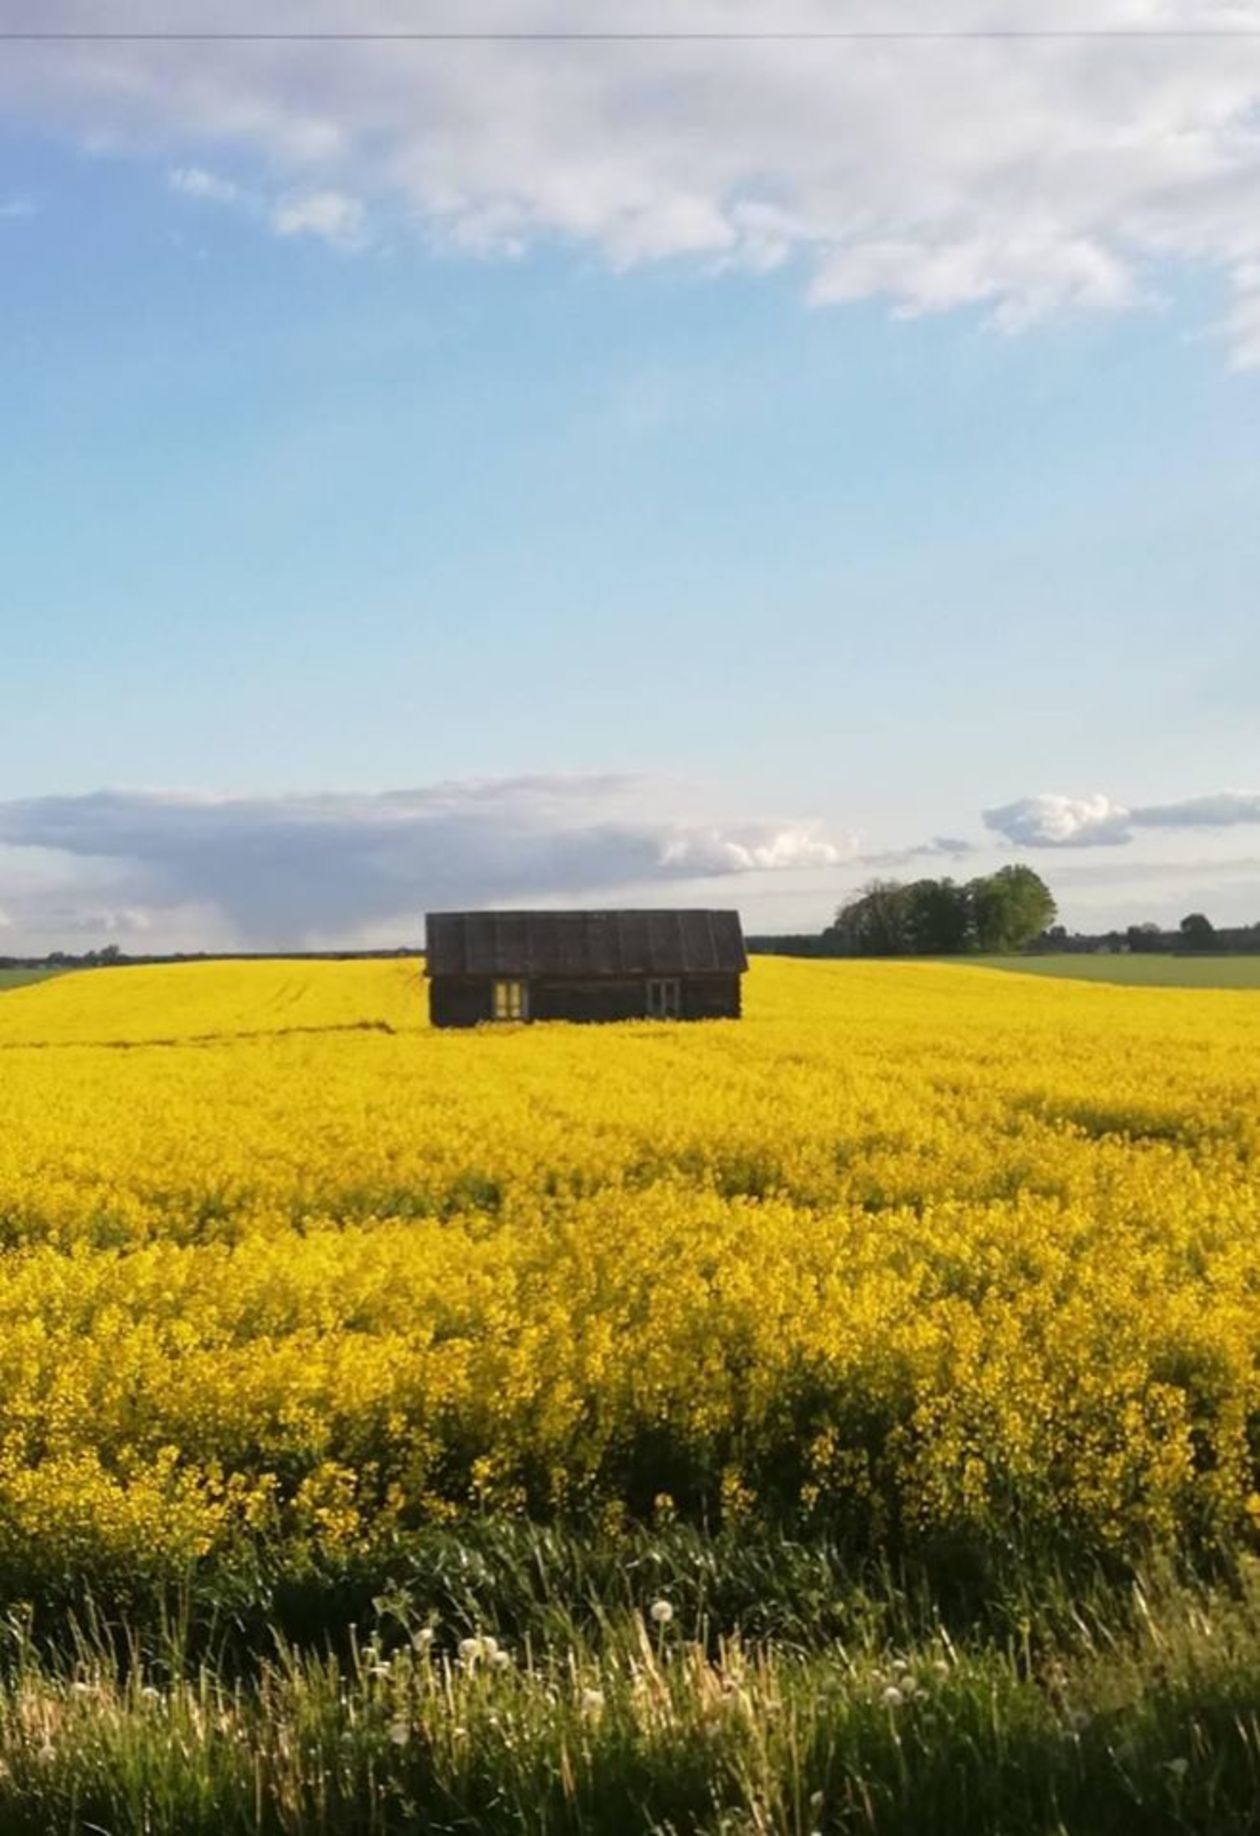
{"points": [[914, 1252]]}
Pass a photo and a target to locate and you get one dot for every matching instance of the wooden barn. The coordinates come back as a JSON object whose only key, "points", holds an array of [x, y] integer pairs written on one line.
{"points": [[662, 965]]}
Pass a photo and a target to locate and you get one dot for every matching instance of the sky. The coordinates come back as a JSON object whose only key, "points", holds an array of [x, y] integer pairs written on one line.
{"points": [[707, 472]]}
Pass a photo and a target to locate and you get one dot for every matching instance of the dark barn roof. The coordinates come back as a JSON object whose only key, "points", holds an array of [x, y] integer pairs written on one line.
{"points": [[584, 943]]}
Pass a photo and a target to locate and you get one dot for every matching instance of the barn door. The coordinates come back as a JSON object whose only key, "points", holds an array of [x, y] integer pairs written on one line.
{"points": [[511, 1001], [664, 999]]}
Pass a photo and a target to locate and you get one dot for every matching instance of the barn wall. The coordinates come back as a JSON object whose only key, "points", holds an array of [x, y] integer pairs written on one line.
{"points": [[711, 997], [588, 1001], [459, 1003], [468, 1001]]}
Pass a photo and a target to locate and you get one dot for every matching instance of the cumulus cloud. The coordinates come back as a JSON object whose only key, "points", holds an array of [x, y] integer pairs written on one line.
{"points": [[331, 215], [1022, 179], [196, 182], [1052, 821], [758, 849], [290, 869]]}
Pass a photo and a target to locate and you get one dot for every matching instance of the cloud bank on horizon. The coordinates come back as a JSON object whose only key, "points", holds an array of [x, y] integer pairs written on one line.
{"points": [[175, 870], [1052, 821], [1021, 179], [272, 871]]}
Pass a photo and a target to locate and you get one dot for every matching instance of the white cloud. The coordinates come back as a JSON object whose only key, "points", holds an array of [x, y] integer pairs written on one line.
{"points": [[1020, 179], [331, 215], [1051, 821], [706, 852], [196, 182], [283, 870]]}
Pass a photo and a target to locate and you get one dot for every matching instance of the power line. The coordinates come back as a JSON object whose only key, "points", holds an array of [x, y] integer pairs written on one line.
{"points": [[985, 34]]}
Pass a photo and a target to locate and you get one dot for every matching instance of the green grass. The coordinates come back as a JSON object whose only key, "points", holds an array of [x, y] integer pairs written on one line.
{"points": [[18, 978], [1135, 971], [1136, 1711], [783, 1691]]}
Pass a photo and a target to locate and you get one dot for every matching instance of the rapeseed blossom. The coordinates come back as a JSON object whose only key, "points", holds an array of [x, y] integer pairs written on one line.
{"points": [[967, 1253]]}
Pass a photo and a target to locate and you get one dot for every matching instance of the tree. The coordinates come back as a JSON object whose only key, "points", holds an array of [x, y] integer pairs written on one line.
{"points": [[938, 917], [874, 922], [1009, 908], [1003, 911], [1198, 931], [1144, 939]]}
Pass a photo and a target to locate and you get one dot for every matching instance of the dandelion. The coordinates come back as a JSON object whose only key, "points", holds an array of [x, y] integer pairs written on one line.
{"points": [[660, 1612], [489, 1646], [500, 1658], [380, 1671], [892, 1697], [940, 1669], [399, 1733], [1179, 1767], [593, 1701], [470, 1649], [422, 1639]]}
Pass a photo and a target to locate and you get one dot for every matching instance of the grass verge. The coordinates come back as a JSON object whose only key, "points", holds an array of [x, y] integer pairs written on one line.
{"points": [[1139, 970], [1128, 1709]]}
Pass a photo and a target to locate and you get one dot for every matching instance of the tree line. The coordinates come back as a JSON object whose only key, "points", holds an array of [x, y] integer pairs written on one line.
{"points": [[993, 914]]}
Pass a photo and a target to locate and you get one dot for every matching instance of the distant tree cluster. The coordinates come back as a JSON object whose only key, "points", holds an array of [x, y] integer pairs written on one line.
{"points": [[996, 913], [109, 956], [1194, 934]]}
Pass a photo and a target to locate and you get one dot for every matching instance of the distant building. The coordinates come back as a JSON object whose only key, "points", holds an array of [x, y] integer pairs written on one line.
{"points": [[515, 966]]}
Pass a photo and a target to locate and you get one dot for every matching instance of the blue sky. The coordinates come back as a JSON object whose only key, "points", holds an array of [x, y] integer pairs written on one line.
{"points": [[372, 550]]}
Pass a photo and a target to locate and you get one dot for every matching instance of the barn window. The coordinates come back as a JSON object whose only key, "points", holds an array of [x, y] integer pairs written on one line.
{"points": [[509, 1000], [664, 1000]]}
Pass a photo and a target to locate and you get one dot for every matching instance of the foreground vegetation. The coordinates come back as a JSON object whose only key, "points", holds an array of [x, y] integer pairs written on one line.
{"points": [[1139, 1713], [903, 1323]]}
